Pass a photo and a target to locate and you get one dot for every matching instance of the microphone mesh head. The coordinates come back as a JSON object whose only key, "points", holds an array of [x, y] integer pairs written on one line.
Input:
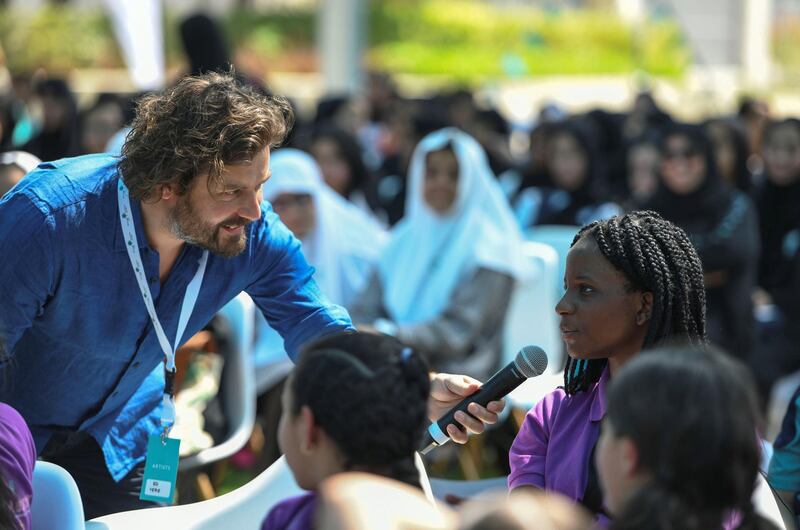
{"points": [[531, 361]]}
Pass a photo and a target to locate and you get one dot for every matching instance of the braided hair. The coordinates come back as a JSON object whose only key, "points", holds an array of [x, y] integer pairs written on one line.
{"points": [[656, 256], [369, 393]]}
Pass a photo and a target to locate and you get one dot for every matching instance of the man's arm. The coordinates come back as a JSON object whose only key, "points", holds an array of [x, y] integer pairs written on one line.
{"points": [[26, 267], [284, 289]]}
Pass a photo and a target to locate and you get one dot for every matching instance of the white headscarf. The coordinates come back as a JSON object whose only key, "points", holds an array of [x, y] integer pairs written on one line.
{"points": [[430, 254], [345, 244], [22, 159]]}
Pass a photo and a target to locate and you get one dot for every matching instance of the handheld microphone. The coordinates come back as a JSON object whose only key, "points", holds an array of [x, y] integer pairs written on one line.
{"points": [[529, 362]]}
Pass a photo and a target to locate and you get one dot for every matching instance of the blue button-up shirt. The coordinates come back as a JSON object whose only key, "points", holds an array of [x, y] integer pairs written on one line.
{"points": [[82, 354]]}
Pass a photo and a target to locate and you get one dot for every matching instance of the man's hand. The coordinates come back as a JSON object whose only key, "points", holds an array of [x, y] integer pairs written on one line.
{"points": [[446, 391]]}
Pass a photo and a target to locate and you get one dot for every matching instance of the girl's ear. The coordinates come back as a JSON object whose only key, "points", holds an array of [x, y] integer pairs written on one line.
{"points": [[629, 455], [309, 430], [645, 309]]}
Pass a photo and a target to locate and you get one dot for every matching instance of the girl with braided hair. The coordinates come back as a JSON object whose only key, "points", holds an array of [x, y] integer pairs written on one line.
{"points": [[354, 402], [677, 448], [632, 282]]}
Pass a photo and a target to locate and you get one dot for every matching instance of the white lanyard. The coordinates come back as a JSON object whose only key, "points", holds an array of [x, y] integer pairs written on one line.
{"points": [[189, 300]]}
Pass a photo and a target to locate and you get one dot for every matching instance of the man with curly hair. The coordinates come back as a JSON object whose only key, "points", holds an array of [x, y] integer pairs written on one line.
{"points": [[110, 263]]}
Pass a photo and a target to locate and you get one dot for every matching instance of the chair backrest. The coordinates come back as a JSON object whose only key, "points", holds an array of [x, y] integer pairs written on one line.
{"points": [[56, 500], [531, 317], [243, 508], [271, 360], [560, 238], [765, 504], [237, 385]]}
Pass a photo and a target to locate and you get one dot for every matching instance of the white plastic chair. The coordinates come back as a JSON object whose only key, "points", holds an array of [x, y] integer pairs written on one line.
{"points": [[243, 509], [466, 489], [237, 385], [531, 317], [765, 504], [560, 238], [56, 500], [272, 364]]}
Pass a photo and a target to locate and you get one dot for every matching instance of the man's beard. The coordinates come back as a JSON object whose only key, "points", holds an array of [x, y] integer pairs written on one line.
{"points": [[187, 225]]}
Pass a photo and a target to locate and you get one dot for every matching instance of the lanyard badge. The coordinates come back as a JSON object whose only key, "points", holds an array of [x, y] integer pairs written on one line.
{"points": [[161, 465]]}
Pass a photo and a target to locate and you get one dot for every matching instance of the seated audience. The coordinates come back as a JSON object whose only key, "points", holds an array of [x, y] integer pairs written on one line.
{"points": [[573, 188], [722, 225], [779, 269], [730, 153], [444, 281], [59, 137], [339, 240], [342, 165]]}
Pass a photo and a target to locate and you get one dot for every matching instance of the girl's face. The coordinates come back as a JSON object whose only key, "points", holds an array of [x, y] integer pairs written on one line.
{"points": [[333, 165], [643, 163], [310, 453], [782, 155], [601, 316], [682, 165], [724, 152], [290, 436], [440, 188], [297, 212], [568, 162], [616, 462]]}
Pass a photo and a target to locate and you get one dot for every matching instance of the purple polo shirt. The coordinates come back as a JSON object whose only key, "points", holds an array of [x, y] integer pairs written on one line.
{"points": [[17, 458], [295, 513], [554, 444]]}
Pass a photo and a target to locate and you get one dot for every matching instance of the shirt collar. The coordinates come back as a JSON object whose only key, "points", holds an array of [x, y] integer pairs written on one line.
{"points": [[598, 409]]}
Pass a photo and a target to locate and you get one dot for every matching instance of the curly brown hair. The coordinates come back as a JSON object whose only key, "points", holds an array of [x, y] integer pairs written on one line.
{"points": [[201, 124]]}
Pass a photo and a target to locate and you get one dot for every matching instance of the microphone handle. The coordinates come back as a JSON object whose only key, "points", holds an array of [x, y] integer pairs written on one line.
{"points": [[495, 388]]}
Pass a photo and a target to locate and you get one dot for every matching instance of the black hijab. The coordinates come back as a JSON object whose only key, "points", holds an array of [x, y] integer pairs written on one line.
{"points": [[743, 179], [779, 206], [592, 189], [204, 44], [63, 140], [708, 203]]}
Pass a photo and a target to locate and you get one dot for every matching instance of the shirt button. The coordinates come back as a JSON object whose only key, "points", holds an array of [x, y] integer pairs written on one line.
{"points": [[114, 393], [135, 365], [152, 279]]}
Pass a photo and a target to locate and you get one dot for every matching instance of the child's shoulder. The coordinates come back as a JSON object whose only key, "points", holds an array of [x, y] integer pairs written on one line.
{"points": [[294, 513], [559, 402]]}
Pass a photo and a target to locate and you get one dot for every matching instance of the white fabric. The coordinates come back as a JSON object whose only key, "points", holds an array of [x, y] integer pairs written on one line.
{"points": [[345, 244], [138, 27], [430, 254], [22, 159]]}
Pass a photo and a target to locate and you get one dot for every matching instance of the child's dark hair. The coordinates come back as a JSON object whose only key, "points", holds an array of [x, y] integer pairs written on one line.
{"points": [[692, 414], [656, 256], [369, 393]]}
